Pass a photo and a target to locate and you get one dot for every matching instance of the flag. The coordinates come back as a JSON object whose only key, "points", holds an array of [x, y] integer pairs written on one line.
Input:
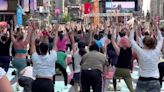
{"points": [[88, 8]]}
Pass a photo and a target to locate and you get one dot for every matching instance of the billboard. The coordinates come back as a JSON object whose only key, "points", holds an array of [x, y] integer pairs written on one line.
{"points": [[33, 5], [26, 5], [8, 5], [4, 5], [11, 5], [59, 5], [122, 7]]}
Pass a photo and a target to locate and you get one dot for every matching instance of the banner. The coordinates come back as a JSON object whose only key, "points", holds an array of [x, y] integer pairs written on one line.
{"points": [[26, 5], [88, 8], [19, 16]]}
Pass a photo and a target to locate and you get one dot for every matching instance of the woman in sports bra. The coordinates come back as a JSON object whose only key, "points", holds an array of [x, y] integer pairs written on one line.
{"points": [[20, 46]]}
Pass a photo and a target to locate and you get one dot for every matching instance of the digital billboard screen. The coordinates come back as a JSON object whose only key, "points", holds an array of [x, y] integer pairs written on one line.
{"points": [[26, 5], [121, 6], [4, 5]]}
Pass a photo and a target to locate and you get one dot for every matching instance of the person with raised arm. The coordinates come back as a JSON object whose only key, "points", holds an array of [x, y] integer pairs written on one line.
{"points": [[123, 65], [20, 47], [5, 43], [43, 64], [93, 66], [61, 61], [148, 58], [78, 51], [62, 39]]}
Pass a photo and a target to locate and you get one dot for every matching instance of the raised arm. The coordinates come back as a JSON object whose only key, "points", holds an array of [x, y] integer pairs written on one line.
{"points": [[32, 44], [116, 47], [12, 32], [159, 39], [73, 42], [91, 33], [133, 42], [27, 40], [55, 29]]}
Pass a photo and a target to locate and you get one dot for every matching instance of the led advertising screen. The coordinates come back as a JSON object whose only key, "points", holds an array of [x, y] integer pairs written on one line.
{"points": [[33, 5], [3, 5], [123, 7], [26, 5]]}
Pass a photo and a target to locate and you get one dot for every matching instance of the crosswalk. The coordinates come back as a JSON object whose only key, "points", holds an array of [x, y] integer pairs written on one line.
{"points": [[59, 84]]}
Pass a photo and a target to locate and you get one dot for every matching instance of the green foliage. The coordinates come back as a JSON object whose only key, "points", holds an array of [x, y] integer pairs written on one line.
{"points": [[162, 25], [66, 18], [88, 0]]}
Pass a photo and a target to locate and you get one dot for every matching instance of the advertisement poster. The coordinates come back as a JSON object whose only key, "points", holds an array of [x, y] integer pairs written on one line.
{"points": [[4, 5], [26, 5], [33, 5], [123, 7], [19, 16]]}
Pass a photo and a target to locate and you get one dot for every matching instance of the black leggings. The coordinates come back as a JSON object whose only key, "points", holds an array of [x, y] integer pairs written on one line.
{"points": [[64, 72], [4, 62], [91, 78], [42, 85], [161, 71], [26, 83]]}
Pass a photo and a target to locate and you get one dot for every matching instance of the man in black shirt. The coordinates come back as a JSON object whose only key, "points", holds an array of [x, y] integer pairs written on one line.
{"points": [[5, 58]]}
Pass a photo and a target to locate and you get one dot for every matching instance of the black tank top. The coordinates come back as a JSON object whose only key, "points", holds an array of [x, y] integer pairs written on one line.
{"points": [[124, 59], [4, 48]]}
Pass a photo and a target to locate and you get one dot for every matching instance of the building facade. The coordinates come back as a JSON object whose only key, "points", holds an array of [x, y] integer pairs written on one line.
{"points": [[157, 8], [8, 9], [73, 7], [162, 9]]}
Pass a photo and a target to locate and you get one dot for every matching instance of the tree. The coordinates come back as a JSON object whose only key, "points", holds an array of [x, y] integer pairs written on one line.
{"points": [[66, 18]]}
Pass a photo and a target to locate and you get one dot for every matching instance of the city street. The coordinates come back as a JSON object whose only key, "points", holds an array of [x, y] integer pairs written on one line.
{"points": [[59, 84]]}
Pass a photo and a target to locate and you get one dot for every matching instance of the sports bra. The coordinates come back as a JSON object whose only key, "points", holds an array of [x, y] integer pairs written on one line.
{"points": [[21, 51]]}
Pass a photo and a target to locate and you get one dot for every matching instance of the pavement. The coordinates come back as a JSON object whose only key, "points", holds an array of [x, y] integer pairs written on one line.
{"points": [[59, 84]]}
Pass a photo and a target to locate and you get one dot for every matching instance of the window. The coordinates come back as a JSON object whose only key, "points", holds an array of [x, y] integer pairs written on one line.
{"points": [[163, 9], [1, 17], [12, 5], [8, 17], [40, 2]]}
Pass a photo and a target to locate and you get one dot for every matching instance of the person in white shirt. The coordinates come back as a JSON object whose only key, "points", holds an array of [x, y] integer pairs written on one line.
{"points": [[26, 78], [5, 85], [149, 57], [43, 65], [78, 52]]}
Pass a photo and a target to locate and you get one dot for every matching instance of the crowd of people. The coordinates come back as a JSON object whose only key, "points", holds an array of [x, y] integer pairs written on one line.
{"points": [[37, 52]]}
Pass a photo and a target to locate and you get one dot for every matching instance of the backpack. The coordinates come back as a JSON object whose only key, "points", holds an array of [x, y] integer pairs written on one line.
{"points": [[111, 54]]}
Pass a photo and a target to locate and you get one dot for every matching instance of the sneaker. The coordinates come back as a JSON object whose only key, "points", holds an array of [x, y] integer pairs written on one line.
{"points": [[17, 88], [14, 73], [110, 88], [65, 87], [118, 87]]}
